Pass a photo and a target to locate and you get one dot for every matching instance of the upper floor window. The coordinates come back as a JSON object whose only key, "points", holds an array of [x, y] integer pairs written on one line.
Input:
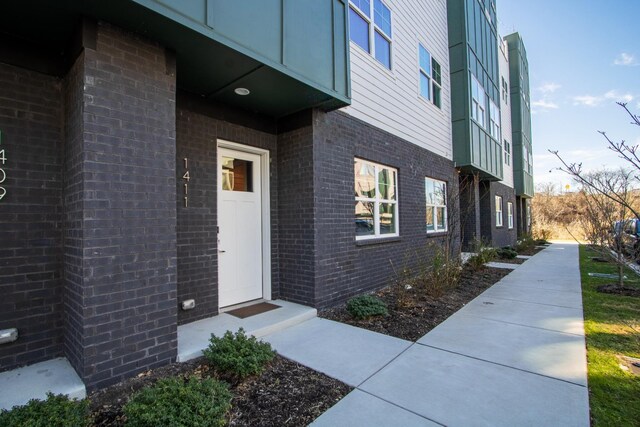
{"points": [[478, 101], [507, 152], [370, 28], [494, 118], [376, 200], [430, 77], [505, 91], [436, 192]]}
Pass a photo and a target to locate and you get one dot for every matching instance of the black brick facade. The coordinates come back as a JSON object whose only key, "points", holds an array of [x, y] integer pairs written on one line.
{"points": [[321, 237], [494, 235], [31, 216], [120, 227], [199, 126]]}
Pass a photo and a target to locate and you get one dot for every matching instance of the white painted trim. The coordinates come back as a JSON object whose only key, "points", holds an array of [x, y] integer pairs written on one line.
{"points": [[265, 185]]}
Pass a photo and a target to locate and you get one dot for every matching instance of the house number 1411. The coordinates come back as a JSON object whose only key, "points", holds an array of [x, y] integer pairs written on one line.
{"points": [[186, 178]]}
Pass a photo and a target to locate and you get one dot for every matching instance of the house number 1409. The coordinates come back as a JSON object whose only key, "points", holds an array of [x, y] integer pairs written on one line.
{"points": [[3, 174]]}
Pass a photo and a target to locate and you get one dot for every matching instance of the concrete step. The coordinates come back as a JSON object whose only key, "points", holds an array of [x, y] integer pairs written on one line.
{"points": [[194, 337], [18, 386]]}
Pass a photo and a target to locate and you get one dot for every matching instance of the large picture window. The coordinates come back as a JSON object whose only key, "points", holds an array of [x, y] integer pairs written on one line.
{"points": [[436, 192], [370, 28], [494, 117], [430, 77], [498, 211], [376, 203]]}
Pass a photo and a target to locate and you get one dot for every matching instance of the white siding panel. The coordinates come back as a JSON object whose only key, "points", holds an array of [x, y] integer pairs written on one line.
{"points": [[390, 99], [505, 117]]}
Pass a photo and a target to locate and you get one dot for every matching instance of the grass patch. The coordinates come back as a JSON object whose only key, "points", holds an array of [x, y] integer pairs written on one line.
{"points": [[612, 327]]}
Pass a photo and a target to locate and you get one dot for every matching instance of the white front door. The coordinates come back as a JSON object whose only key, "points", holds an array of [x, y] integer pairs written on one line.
{"points": [[240, 227]]}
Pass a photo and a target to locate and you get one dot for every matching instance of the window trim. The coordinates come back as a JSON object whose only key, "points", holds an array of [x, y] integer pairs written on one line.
{"points": [[377, 201], [494, 120], [433, 84], [435, 207], [373, 28], [499, 210], [507, 152], [510, 215]]}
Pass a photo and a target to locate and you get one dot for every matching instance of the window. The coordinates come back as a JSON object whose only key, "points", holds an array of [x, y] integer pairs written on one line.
{"points": [[478, 101], [376, 204], [505, 91], [436, 192], [364, 32], [430, 77], [507, 152], [510, 215], [494, 117], [498, 211]]}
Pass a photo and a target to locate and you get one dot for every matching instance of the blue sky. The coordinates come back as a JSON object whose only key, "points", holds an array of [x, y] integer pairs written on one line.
{"points": [[584, 55]]}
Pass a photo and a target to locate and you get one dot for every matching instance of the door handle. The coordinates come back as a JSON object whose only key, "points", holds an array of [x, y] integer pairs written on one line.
{"points": [[221, 251]]}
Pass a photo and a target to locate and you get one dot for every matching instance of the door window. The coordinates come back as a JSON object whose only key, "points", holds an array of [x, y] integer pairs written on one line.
{"points": [[237, 175]]}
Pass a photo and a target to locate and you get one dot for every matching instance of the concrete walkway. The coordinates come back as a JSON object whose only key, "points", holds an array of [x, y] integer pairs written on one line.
{"points": [[514, 356]]}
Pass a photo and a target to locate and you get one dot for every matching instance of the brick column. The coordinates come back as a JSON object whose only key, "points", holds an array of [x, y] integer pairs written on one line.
{"points": [[120, 208]]}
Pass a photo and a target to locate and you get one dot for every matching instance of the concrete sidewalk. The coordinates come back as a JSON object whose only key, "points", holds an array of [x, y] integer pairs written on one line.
{"points": [[514, 356]]}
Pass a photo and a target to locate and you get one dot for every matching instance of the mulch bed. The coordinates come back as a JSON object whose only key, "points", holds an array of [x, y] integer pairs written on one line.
{"points": [[531, 251], [420, 313], [285, 394], [614, 288], [511, 260]]}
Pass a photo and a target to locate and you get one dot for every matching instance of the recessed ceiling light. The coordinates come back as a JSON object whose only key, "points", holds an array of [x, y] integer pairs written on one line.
{"points": [[242, 91]]}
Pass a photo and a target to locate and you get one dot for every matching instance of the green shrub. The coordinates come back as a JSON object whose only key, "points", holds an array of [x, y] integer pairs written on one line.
{"points": [[238, 355], [364, 306], [507, 252], [525, 243], [55, 411], [172, 402], [483, 254]]}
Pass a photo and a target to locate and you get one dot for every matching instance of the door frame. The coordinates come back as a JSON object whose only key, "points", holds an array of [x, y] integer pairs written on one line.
{"points": [[265, 196]]}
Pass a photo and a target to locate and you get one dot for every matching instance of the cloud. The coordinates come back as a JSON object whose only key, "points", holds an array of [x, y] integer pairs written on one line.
{"points": [[545, 104], [594, 101], [549, 87], [625, 58], [621, 97], [587, 100]]}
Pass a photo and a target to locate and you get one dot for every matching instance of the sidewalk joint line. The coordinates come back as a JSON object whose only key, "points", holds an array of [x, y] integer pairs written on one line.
{"points": [[503, 365], [538, 303], [386, 364], [401, 407], [520, 324]]}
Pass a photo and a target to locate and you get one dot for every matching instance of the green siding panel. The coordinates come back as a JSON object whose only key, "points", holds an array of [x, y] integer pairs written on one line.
{"points": [[308, 40], [254, 24]]}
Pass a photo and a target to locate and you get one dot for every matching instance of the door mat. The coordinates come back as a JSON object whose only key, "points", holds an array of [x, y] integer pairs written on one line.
{"points": [[252, 310]]}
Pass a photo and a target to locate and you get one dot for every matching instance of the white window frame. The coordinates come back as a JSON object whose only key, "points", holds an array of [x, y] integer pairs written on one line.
{"points": [[373, 29], [507, 152], [505, 91], [499, 219], [377, 200], [510, 215], [432, 82], [478, 103], [434, 206], [494, 120]]}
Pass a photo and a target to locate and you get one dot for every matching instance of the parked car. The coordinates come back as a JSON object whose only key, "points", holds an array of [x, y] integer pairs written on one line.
{"points": [[627, 237]]}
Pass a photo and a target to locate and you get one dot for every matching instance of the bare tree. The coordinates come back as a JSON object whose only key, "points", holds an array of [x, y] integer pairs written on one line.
{"points": [[609, 195]]}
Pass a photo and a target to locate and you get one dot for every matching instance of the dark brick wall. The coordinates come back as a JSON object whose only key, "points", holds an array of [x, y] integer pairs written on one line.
{"points": [[496, 236], [469, 202], [121, 213], [344, 267], [198, 127], [30, 216], [296, 210]]}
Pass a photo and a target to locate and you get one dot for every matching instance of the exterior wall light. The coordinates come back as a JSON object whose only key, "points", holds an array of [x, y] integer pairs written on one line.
{"points": [[242, 91]]}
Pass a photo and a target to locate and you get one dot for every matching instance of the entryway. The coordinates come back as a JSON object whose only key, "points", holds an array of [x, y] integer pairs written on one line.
{"points": [[243, 224]]}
